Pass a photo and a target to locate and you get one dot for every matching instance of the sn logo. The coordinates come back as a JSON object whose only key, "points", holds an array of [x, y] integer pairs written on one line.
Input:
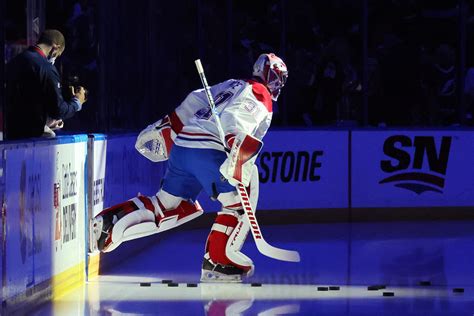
{"points": [[408, 157]]}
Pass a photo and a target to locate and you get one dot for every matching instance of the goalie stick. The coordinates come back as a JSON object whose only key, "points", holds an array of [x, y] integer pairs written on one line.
{"points": [[262, 246]]}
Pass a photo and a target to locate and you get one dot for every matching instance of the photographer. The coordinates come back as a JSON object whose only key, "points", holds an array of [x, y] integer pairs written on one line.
{"points": [[34, 98]]}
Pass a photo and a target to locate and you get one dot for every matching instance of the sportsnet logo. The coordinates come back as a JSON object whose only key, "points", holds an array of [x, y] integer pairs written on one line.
{"points": [[416, 164]]}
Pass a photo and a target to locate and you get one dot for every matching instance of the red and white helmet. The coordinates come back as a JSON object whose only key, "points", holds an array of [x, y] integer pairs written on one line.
{"points": [[273, 72]]}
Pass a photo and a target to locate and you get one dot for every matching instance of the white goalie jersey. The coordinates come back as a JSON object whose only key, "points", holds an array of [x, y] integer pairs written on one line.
{"points": [[244, 107]]}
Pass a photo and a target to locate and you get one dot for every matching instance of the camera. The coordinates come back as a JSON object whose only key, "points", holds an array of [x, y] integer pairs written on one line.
{"points": [[74, 82]]}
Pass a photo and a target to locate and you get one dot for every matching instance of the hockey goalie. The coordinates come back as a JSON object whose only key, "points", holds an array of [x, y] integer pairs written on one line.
{"points": [[197, 160]]}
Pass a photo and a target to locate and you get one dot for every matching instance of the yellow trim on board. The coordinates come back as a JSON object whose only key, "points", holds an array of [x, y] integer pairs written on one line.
{"points": [[94, 263], [67, 280]]}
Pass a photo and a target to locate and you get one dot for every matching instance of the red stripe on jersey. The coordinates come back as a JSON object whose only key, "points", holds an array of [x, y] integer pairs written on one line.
{"points": [[262, 94], [211, 137], [176, 123], [168, 140], [197, 134]]}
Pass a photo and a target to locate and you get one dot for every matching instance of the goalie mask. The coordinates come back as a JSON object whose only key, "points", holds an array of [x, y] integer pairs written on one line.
{"points": [[272, 70]]}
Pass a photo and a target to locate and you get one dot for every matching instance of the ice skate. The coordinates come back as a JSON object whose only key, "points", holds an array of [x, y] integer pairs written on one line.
{"points": [[217, 273], [100, 233]]}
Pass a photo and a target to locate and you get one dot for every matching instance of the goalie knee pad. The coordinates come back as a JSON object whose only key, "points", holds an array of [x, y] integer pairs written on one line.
{"points": [[139, 217], [231, 201]]}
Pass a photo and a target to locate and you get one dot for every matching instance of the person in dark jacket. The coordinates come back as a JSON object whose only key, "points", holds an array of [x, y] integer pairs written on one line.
{"points": [[34, 95]]}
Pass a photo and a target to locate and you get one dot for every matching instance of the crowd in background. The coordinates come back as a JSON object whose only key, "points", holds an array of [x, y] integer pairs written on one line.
{"points": [[413, 66], [413, 61]]}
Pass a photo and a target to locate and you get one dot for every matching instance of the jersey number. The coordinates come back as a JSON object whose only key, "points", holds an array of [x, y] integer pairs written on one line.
{"points": [[205, 113]]}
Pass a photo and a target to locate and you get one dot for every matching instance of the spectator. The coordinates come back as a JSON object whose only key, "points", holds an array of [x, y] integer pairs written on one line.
{"points": [[336, 81], [469, 95], [439, 83], [34, 95]]}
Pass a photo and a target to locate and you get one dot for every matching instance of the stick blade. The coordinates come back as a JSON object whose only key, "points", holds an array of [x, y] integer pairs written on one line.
{"points": [[277, 253]]}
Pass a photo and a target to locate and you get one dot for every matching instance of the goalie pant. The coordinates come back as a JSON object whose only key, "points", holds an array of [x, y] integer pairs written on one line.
{"points": [[189, 171]]}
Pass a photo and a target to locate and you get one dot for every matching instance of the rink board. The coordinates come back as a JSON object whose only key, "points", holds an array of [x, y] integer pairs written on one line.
{"points": [[301, 170], [304, 170], [51, 188], [96, 160], [412, 169], [44, 196], [128, 172]]}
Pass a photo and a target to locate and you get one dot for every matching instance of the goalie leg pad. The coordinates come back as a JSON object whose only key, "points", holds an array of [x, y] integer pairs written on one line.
{"points": [[224, 244], [223, 261], [140, 223], [230, 229], [183, 213], [108, 228], [100, 238], [136, 218]]}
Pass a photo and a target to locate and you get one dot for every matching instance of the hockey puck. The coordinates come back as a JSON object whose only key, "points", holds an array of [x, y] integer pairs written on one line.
{"points": [[376, 287], [256, 284], [425, 283], [388, 294], [323, 288], [334, 288], [145, 284], [458, 290], [171, 284], [166, 281], [191, 285]]}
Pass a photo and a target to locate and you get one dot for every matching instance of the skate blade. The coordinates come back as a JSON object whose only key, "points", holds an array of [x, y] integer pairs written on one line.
{"points": [[216, 277]]}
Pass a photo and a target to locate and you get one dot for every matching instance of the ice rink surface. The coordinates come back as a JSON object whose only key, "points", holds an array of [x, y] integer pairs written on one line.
{"points": [[421, 263]]}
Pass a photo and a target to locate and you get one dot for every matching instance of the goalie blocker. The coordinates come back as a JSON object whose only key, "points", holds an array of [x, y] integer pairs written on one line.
{"points": [[238, 167]]}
